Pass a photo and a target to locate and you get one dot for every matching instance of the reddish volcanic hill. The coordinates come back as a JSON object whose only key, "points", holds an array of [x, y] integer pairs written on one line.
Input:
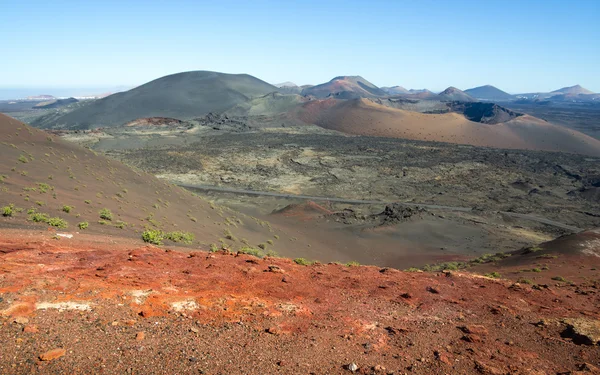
{"points": [[364, 117], [345, 87]]}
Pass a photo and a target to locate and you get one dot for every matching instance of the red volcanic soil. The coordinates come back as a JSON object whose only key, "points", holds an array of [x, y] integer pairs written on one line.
{"points": [[99, 304], [364, 117]]}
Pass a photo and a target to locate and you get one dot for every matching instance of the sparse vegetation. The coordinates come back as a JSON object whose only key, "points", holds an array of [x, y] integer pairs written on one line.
{"points": [[83, 225], [183, 237], [493, 275], [213, 248], [67, 209], [353, 264], [106, 214], [7, 211], [302, 262], [153, 236], [23, 159], [251, 251]]}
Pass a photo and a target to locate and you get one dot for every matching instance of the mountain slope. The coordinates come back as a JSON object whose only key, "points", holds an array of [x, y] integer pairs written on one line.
{"points": [[395, 90], [455, 95], [573, 90], [181, 96], [488, 92], [364, 117], [46, 174], [345, 87]]}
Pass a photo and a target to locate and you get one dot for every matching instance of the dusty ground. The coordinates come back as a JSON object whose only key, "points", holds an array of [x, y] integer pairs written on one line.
{"points": [[117, 307]]}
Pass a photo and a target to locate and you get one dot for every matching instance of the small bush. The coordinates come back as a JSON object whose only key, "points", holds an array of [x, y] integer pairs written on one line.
{"points": [[251, 251], [39, 203], [353, 264], [153, 236], [67, 209], [120, 224], [183, 237], [8, 211], [213, 248], [106, 214], [57, 222], [83, 225], [37, 217], [23, 159], [270, 242], [302, 262], [524, 281], [493, 275], [87, 201], [559, 278]]}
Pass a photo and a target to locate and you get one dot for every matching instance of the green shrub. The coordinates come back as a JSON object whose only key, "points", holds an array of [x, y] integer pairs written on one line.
{"points": [[251, 251], [270, 242], [353, 264], [67, 209], [524, 281], [183, 237], [153, 236], [39, 203], [38, 217], [120, 224], [87, 201], [23, 159], [7, 211], [83, 225], [106, 214], [559, 278], [493, 275], [302, 262], [213, 248], [57, 222]]}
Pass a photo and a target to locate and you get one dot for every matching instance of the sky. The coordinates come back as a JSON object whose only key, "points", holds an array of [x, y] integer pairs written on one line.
{"points": [[518, 46]]}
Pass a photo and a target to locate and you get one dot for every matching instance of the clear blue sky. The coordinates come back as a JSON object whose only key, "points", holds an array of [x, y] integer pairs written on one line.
{"points": [[519, 46]]}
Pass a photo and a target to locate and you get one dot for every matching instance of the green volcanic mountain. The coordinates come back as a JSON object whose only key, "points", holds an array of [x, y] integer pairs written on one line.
{"points": [[181, 96]]}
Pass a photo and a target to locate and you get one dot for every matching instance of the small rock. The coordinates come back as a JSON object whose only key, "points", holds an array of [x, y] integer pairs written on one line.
{"points": [[474, 330], [379, 369], [406, 295], [583, 331], [352, 367], [52, 354], [273, 330], [276, 269], [433, 290], [194, 329], [140, 336], [31, 329], [21, 320]]}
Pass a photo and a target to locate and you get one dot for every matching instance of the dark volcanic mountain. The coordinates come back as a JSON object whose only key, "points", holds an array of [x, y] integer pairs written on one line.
{"points": [[452, 94], [345, 87], [181, 96], [488, 92]]}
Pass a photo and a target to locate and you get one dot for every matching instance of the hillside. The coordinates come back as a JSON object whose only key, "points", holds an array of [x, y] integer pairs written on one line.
{"points": [[572, 90], [488, 92], [55, 103], [395, 90], [93, 302], [43, 175], [182, 96], [363, 117], [345, 87], [452, 94]]}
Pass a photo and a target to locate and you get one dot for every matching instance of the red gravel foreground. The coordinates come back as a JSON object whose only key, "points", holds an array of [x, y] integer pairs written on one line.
{"points": [[105, 305]]}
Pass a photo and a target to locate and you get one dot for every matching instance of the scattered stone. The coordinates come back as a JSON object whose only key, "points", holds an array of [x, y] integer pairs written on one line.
{"points": [[379, 369], [442, 357], [487, 369], [583, 331], [194, 329], [474, 330], [53, 354], [140, 336], [273, 330], [276, 269], [30, 329], [21, 320], [406, 295], [433, 290], [352, 367]]}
